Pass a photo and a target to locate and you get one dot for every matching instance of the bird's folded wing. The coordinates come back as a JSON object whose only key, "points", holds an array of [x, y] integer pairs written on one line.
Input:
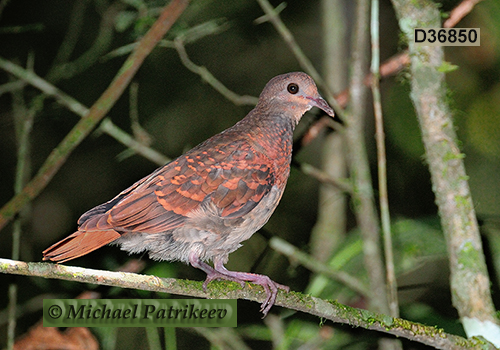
{"points": [[233, 176]]}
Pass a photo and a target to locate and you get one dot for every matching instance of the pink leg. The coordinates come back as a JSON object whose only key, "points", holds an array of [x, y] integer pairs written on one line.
{"points": [[212, 274], [270, 287], [219, 271]]}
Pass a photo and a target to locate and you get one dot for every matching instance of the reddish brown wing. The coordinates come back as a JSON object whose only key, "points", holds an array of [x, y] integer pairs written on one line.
{"points": [[233, 176]]}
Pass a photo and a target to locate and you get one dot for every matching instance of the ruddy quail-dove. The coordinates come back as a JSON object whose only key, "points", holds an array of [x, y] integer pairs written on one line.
{"points": [[202, 205]]}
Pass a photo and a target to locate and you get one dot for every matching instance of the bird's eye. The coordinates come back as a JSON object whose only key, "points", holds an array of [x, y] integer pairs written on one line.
{"points": [[293, 88]]}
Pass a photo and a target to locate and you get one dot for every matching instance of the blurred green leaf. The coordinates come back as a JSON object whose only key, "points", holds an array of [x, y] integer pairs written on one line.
{"points": [[483, 123], [124, 20], [447, 67]]}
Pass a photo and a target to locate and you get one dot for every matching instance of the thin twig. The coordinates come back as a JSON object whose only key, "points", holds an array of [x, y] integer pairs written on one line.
{"points": [[138, 131], [170, 338], [65, 70], [362, 198], [277, 329], [3, 4], [98, 111], [23, 121], [43, 85], [385, 218], [121, 136], [12, 86], [210, 79], [459, 12], [321, 176], [272, 15], [221, 338], [293, 253], [188, 36], [73, 31], [78, 108], [153, 338], [330, 228]]}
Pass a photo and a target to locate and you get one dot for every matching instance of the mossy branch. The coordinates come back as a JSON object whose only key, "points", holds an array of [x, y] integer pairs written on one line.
{"points": [[325, 309], [470, 283]]}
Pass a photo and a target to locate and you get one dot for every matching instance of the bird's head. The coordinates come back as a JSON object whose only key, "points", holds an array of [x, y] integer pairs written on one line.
{"points": [[293, 94]]}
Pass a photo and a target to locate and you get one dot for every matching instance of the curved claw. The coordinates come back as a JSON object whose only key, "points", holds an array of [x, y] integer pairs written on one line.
{"points": [[270, 287], [219, 272]]}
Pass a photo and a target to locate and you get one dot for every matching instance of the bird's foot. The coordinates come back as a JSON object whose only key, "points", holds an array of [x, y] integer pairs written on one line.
{"points": [[216, 275], [270, 287], [212, 274], [219, 272]]}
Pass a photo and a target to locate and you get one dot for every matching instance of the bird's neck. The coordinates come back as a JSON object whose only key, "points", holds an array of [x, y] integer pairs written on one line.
{"points": [[271, 133]]}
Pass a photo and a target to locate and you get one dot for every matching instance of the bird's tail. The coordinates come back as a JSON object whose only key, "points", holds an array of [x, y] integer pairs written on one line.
{"points": [[78, 244]]}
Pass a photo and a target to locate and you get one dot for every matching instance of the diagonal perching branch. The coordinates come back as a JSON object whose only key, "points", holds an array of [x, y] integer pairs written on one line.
{"points": [[330, 310]]}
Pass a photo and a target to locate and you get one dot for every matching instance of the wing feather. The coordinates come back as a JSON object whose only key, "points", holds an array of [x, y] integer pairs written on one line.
{"points": [[234, 177]]}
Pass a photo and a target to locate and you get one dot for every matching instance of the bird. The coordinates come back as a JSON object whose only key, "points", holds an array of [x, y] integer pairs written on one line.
{"points": [[201, 206]]}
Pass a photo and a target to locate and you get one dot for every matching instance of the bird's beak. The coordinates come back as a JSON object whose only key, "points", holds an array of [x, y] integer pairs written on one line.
{"points": [[322, 104]]}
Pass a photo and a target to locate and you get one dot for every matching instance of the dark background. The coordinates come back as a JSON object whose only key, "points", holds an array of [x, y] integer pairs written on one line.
{"points": [[178, 111]]}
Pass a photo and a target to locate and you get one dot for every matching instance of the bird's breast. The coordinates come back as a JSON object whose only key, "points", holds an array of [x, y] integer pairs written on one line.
{"points": [[276, 143]]}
